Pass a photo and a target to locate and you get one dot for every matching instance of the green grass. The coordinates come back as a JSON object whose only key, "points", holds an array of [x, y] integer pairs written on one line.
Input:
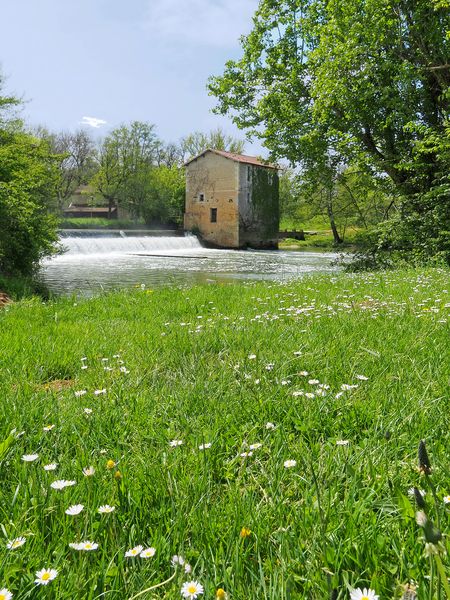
{"points": [[100, 223], [341, 518]]}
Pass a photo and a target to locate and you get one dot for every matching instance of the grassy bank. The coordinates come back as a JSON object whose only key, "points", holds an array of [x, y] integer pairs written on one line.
{"points": [[340, 377]]}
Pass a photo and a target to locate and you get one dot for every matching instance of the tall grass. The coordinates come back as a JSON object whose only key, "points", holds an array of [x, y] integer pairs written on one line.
{"points": [[231, 366]]}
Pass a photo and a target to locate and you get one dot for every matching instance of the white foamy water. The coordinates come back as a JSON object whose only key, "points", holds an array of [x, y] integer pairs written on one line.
{"points": [[97, 261]]}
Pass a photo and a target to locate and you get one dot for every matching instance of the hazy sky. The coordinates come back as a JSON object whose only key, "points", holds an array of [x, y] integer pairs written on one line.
{"points": [[113, 61]]}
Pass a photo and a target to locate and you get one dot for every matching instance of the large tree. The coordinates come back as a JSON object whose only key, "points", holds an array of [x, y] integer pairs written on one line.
{"points": [[366, 79], [28, 179]]}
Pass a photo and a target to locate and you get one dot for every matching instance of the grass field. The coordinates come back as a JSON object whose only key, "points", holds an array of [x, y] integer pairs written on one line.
{"points": [[266, 433]]}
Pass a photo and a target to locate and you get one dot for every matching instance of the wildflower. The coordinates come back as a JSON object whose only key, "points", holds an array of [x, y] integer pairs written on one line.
{"points": [[16, 543], [110, 464], [51, 467], [304, 373], [44, 576], [255, 446], [313, 381], [297, 353], [309, 395], [270, 425], [88, 471], [270, 366], [298, 393], [246, 454], [30, 457], [5, 594], [124, 370], [221, 593], [86, 546], [60, 484], [288, 464], [245, 532], [362, 377], [105, 509], [187, 568], [88, 411], [252, 356], [84, 367], [48, 427], [345, 387], [204, 446], [365, 594], [75, 509], [148, 553], [80, 393], [177, 560], [133, 552], [98, 392], [342, 442], [175, 443], [191, 589], [446, 499], [118, 475]]}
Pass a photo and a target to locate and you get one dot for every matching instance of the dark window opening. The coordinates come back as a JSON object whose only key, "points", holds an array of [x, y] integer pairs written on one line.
{"points": [[201, 197], [213, 215]]}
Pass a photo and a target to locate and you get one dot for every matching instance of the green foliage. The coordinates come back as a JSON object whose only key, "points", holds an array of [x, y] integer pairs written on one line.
{"points": [[28, 177], [363, 81], [216, 139], [341, 518]]}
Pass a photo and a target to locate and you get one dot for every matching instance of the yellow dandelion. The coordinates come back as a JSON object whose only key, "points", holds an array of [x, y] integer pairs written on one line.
{"points": [[245, 532]]}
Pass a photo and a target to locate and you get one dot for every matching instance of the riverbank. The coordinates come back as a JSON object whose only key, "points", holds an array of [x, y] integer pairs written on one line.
{"points": [[267, 433]]}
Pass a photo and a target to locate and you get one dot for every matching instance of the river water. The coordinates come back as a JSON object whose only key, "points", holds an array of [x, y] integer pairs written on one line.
{"points": [[111, 260]]}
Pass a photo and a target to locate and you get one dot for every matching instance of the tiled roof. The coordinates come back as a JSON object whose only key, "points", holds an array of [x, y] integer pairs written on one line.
{"points": [[249, 160]]}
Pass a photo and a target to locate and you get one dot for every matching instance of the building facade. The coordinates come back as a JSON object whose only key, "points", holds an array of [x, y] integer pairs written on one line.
{"points": [[232, 200]]}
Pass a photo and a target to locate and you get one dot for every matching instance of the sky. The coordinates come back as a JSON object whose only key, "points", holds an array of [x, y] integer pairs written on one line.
{"points": [[100, 63]]}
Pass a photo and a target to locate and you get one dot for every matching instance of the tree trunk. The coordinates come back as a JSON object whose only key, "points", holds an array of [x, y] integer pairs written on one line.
{"points": [[337, 238]]}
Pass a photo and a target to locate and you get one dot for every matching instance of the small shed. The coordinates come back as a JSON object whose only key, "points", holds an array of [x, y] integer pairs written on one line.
{"points": [[232, 200]]}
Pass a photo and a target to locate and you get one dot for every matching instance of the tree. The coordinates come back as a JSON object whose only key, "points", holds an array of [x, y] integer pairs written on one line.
{"points": [[76, 166], [216, 139], [28, 177], [124, 160], [367, 79]]}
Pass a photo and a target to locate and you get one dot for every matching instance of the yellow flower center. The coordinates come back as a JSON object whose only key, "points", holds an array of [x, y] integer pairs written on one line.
{"points": [[2, 597], [221, 594], [14, 545], [192, 589], [45, 576], [365, 598], [88, 546]]}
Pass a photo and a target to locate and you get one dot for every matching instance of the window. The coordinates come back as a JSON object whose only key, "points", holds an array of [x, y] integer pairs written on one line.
{"points": [[213, 215], [201, 197]]}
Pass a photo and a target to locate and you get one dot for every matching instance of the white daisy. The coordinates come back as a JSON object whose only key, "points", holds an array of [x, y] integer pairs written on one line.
{"points": [[5, 594], [446, 499], [270, 425], [148, 553], [204, 446], [362, 377], [191, 589], [48, 427], [124, 370], [30, 457], [365, 594], [60, 484], [16, 543], [80, 393], [134, 551], [288, 464], [246, 454], [175, 443], [105, 509], [44, 576], [88, 411], [51, 467], [88, 546], [303, 373], [75, 509], [313, 381], [98, 392], [252, 356], [177, 560], [187, 568], [76, 545], [255, 446], [88, 471], [342, 442]]}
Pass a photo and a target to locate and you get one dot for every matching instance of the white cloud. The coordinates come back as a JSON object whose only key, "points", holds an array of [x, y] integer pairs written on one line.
{"points": [[217, 23], [92, 122]]}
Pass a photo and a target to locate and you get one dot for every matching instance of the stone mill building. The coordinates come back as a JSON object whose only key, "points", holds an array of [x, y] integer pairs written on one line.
{"points": [[232, 200]]}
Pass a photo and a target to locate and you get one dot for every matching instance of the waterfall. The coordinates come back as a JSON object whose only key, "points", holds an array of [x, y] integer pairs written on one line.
{"points": [[122, 242]]}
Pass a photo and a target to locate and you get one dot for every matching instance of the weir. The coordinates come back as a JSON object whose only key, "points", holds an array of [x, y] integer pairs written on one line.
{"points": [[123, 242]]}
